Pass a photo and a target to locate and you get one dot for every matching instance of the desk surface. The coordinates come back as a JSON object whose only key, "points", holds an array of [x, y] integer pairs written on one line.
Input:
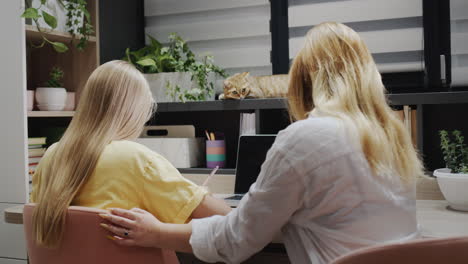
{"points": [[434, 219]]}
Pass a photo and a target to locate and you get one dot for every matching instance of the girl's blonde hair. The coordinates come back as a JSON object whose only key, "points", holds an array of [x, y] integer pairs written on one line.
{"points": [[335, 74], [115, 104]]}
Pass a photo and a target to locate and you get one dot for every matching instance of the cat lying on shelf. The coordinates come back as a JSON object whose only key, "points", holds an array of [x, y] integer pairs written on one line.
{"points": [[242, 85]]}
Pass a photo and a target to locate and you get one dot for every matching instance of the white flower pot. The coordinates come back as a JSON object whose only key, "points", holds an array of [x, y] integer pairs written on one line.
{"points": [[158, 83], [454, 187], [51, 99]]}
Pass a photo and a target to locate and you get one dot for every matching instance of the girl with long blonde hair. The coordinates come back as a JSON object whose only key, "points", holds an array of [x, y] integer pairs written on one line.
{"points": [[95, 163], [339, 178]]}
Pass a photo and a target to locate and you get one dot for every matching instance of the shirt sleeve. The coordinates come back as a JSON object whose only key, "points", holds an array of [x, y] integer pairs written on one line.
{"points": [[264, 210], [167, 194]]}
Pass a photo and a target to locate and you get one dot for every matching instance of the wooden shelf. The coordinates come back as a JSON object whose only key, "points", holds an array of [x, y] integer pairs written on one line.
{"points": [[281, 103], [50, 113], [53, 35]]}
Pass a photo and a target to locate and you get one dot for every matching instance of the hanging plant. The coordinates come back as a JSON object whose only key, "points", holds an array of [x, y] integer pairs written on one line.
{"points": [[79, 21], [75, 9]]}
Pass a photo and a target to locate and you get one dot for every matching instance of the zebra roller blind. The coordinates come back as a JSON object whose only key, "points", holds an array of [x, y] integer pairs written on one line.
{"points": [[459, 41], [393, 30], [236, 33]]}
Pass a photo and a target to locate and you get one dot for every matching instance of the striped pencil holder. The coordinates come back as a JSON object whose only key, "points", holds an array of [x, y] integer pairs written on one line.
{"points": [[215, 153]]}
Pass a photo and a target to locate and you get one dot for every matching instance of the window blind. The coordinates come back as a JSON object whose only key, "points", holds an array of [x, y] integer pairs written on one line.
{"points": [[459, 41], [236, 33], [392, 30]]}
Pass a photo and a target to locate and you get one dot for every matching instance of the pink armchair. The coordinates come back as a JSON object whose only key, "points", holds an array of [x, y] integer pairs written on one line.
{"points": [[85, 241]]}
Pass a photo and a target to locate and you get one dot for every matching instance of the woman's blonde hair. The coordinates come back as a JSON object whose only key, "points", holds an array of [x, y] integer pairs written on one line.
{"points": [[115, 104], [335, 74]]}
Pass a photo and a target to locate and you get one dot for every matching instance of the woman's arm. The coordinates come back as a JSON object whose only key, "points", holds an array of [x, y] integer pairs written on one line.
{"points": [[210, 206], [137, 227]]}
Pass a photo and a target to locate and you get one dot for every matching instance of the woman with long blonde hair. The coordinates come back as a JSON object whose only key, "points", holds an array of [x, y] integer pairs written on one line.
{"points": [[339, 178], [95, 163]]}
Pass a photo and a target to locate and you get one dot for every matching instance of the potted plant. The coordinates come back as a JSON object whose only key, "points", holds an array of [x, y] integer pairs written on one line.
{"points": [[173, 71], [52, 96], [453, 180]]}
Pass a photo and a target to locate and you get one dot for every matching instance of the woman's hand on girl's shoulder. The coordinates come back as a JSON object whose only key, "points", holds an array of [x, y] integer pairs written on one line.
{"points": [[135, 227]]}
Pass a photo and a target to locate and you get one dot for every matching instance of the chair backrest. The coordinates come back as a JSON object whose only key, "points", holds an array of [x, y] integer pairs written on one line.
{"points": [[84, 241], [428, 251]]}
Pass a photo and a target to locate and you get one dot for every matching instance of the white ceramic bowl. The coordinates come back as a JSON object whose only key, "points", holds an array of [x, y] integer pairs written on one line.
{"points": [[51, 96], [51, 107], [454, 187]]}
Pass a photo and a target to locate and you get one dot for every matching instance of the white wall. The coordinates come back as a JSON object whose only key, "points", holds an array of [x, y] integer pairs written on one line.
{"points": [[236, 32], [13, 180], [459, 41], [391, 29]]}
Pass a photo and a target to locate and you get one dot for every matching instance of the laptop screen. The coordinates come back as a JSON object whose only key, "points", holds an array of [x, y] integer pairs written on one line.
{"points": [[250, 156]]}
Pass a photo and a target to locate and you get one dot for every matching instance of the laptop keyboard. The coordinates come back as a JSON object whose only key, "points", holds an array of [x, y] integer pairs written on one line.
{"points": [[235, 197]]}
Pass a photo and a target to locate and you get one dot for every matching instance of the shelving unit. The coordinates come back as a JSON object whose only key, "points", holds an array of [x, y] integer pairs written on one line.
{"points": [[281, 103], [33, 34], [77, 66], [51, 113]]}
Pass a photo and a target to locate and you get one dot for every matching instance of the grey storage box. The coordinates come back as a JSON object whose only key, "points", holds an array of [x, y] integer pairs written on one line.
{"points": [[176, 143]]}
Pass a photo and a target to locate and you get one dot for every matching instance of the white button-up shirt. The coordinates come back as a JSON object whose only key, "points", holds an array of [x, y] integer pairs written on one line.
{"points": [[317, 188]]}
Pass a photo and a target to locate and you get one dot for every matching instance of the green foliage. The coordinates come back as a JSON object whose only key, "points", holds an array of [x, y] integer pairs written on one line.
{"points": [[75, 9], [55, 78], [176, 57], [49, 19], [454, 150], [32, 13]]}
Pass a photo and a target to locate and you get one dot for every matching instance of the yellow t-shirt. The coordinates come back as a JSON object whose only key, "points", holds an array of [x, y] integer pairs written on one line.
{"points": [[130, 175]]}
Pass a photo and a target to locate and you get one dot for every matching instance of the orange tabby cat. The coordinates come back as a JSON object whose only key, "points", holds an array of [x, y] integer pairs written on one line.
{"points": [[242, 85]]}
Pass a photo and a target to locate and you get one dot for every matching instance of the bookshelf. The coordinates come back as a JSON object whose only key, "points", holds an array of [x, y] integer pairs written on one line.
{"points": [[77, 66]]}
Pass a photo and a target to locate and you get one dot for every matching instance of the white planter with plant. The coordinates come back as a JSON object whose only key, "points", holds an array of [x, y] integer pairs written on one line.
{"points": [[453, 180], [52, 97], [173, 72]]}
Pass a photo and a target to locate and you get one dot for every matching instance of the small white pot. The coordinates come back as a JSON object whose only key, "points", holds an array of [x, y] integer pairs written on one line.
{"points": [[454, 187], [70, 102], [30, 99], [48, 98]]}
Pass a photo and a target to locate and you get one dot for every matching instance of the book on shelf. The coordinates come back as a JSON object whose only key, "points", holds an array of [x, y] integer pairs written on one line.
{"points": [[36, 141], [36, 152], [247, 124]]}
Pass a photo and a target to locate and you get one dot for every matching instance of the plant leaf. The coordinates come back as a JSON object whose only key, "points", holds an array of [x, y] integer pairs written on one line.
{"points": [[154, 42], [31, 13], [59, 46], [49, 19], [43, 2], [146, 62]]}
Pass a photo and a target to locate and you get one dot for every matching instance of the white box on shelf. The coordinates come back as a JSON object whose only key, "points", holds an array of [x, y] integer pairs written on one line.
{"points": [[182, 152]]}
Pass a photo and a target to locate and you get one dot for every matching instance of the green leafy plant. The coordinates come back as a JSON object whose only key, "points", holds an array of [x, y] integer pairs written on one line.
{"points": [[176, 57], [55, 78], [75, 8], [454, 150]]}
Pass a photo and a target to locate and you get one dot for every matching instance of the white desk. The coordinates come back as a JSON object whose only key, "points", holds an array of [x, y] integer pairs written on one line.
{"points": [[434, 219]]}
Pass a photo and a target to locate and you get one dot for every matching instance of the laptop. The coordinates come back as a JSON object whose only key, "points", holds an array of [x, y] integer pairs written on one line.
{"points": [[250, 156]]}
